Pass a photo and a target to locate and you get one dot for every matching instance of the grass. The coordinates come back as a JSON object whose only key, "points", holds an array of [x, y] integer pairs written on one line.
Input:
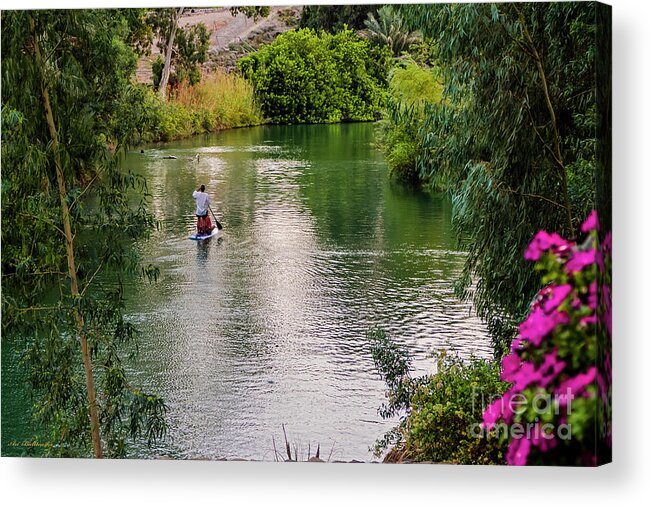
{"points": [[221, 100]]}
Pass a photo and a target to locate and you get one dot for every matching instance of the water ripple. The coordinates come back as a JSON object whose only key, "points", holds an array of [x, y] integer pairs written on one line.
{"points": [[267, 325]]}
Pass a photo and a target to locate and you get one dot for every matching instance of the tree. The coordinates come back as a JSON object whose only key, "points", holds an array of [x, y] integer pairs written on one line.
{"points": [[191, 49], [412, 89], [251, 12], [334, 18], [514, 137], [305, 77], [389, 29], [166, 22], [185, 49], [67, 226]]}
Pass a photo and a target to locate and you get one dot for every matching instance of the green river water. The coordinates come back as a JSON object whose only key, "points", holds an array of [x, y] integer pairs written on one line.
{"points": [[266, 323]]}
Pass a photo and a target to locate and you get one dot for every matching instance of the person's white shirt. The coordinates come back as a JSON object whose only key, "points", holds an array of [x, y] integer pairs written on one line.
{"points": [[203, 201]]}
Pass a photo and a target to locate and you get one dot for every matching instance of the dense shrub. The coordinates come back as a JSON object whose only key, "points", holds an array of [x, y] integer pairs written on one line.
{"points": [[412, 88], [445, 410], [439, 411], [219, 101], [305, 77]]}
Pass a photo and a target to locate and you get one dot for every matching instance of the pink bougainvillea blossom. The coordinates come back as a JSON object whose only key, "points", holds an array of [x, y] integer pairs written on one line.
{"points": [[588, 320], [572, 387], [607, 316], [550, 368], [542, 440], [607, 244], [539, 324], [543, 242], [522, 374], [510, 365], [557, 326], [492, 413], [591, 223], [518, 451], [592, 295], [579, 260], [555, 296], [599, 260], [501, 408], [526, 375]]}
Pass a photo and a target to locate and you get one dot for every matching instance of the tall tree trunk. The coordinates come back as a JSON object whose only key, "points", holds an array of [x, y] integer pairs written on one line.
{"points": [[165, 75], [72, 270]]}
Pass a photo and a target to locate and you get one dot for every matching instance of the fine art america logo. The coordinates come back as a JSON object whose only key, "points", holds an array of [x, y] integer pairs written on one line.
{"points": [[544, 406]]}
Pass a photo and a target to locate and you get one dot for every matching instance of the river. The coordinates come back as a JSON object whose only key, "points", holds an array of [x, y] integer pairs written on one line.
{"points": [[266, 323]]}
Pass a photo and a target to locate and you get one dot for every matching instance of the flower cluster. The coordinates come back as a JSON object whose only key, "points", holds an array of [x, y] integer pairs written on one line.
{"points": [[558, 366]]}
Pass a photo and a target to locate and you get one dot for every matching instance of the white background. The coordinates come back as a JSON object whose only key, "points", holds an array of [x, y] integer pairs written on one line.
{"points": [[627, 481]]}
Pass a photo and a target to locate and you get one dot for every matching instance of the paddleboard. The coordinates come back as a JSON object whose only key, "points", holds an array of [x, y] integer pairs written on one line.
{"points": [[197, 237]]}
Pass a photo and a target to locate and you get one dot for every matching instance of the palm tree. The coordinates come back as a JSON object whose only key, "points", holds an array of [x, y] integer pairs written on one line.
{"points": [[389, 29]]}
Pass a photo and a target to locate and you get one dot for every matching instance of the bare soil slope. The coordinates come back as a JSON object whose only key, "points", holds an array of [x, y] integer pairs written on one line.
{"points": [[231, 36]]}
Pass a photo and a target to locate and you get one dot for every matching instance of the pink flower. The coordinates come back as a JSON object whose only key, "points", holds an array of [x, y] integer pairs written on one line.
{"points": [[510, 365], [500, 408], [515, 345], [588, 320], [592, 295], [572, 387], [518, 452], [522, 374], [591, 223], [550, 368], [526, 375], [543, 242], [492, 413], [607, 316], [539, 324], [542, 440], [579, 260], [607, 245], [599, 260], [558, 295], [602, 388]]}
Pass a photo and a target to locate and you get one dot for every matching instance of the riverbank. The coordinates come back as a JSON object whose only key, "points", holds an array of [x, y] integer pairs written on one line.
{"points": [[223, 99], [220, 101]]}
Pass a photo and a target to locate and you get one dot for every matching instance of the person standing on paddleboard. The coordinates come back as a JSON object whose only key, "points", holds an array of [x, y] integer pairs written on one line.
{"points": [[204, 225]]}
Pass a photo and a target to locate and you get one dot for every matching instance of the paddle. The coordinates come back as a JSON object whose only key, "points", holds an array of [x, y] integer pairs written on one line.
{"points": [[219, 225]]}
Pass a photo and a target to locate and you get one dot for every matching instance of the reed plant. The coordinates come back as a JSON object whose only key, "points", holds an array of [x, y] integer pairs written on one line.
{"points": [[220, 100]]}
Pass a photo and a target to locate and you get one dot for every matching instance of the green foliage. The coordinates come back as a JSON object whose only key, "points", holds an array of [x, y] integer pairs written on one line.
{"points": [[389, 29], [393, 365], [190, 48], [447, 410], [251, 12], [514, 140], [411, 89], [219, 101], [141, 33], [87, 71], [335, 18], [438, 412], [305, 77]]}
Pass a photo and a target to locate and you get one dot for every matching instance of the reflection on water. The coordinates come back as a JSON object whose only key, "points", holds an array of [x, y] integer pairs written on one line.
{"points": [[265, 324]]}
